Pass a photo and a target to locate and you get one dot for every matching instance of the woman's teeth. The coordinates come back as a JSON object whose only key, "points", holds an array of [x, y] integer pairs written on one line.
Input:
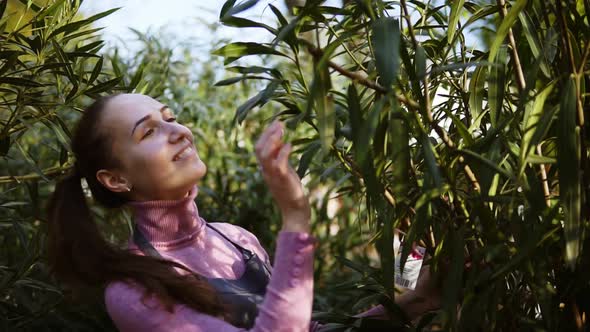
{"points": [[187, 152]]}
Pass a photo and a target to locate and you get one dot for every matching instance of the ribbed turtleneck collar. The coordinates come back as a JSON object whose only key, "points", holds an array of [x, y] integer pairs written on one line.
{"points": [[168, 224]]}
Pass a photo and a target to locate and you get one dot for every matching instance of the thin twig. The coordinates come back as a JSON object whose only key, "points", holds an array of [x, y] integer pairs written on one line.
{"points": [[406, 16], [358, 78], [49, 172], [517, 66], [544, 181], [522, 87], [584, 58]]}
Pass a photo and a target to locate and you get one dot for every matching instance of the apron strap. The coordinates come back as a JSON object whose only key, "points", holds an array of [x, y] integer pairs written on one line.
{"points": [[143, 243], [147, 248], [245, 251]]}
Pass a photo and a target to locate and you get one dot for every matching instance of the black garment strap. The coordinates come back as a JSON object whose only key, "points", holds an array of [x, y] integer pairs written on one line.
{"points": [[143, 243], [148, 249], [245, 251]]}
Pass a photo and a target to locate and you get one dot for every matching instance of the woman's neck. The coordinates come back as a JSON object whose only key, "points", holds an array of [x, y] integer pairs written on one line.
{"points": [[168, 224]]}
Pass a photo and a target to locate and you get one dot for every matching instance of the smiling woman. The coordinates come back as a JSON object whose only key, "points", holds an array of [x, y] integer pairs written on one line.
{"points": [[179, 271], [147, 137]]}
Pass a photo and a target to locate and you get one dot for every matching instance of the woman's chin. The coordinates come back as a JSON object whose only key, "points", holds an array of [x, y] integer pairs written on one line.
{"points": [[197, 172]]}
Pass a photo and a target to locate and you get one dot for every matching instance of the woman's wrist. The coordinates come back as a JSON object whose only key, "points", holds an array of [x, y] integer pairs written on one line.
{"points": [[296, 223]]}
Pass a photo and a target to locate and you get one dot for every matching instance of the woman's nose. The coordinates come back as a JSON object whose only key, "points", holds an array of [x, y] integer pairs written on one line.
{"points": [[180, 133]]}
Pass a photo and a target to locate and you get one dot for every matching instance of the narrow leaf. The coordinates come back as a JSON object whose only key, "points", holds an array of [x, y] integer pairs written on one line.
{"points": [[505, 26], [568, 162], [454, 19], [386, 43]]}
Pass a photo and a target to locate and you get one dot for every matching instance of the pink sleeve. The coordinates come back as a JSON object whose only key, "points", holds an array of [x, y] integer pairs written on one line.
{"points": [[286, 306]]}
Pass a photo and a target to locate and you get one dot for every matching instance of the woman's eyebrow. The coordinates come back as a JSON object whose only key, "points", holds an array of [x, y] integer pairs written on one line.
{"points": [[146, 118]]}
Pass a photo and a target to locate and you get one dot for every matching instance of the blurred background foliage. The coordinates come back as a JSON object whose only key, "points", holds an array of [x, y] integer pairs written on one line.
{"points": [[476, 152]]}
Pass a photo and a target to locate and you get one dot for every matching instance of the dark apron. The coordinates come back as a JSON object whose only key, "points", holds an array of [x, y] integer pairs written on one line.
{"points": [[243, 295]]}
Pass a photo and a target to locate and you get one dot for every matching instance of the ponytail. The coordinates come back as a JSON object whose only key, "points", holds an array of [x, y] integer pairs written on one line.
{"points": [[80, 257]]}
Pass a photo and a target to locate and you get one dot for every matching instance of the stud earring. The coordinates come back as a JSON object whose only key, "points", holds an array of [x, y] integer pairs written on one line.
{"points": [[129, 188]]}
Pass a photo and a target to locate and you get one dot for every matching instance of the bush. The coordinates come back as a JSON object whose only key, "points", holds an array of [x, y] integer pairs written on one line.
{"points": [[476, 152]]}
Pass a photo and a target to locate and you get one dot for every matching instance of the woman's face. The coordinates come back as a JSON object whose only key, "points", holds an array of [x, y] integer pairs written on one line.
{"points": [[157, 155]]}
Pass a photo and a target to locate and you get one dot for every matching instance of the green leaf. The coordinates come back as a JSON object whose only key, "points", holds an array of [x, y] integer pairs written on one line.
{"points": [[486, 162], [420, 62], [354, 114], [229, 4], [568, 163], [533, 113], [310, 151], [239, 22], [430, 160], [49, 10], [256, 70], [75, 26], [530, 32], [102, 87], [496, 86], [399, 149], [91, 47], [258, 100], [234, 51], [367, 129], [476, 91], [231, 10], [505, 26], [88, 33], [453, 283], [61, 136], [386, 42], [233, 80], [137, 77], [461, 129], [96, 71], [20, 82], [61, 55], [282, 20], [536, 159], [324, 106], [31, 162], [456, 7]]}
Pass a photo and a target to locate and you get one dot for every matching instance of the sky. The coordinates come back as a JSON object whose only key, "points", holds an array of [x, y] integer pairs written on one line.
{"points": [[186, 19], [182, 17]]}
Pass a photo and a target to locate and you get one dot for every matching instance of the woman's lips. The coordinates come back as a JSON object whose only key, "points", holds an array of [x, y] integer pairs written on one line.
{"points": [[185, 153]]}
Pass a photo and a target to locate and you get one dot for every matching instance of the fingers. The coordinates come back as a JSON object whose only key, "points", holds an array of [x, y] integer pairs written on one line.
{"points": [[269, 143], [282, 161], [276, 125], [272, 145]]}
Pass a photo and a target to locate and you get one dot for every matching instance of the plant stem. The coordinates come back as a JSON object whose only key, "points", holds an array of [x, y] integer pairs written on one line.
{"points": [[517, 66], [358, 78], [544, 181], [48, 172]]}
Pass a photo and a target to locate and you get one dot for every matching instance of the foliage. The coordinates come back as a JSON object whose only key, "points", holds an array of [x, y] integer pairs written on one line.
{"points": [[50, 68], [479, 153], [52, 64]]}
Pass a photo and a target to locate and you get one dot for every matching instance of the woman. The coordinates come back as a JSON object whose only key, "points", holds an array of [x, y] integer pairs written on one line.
{"points": [[179, 273]]}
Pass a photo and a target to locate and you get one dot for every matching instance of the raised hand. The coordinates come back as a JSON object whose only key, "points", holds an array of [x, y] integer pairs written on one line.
{"points": [[282, 180]]}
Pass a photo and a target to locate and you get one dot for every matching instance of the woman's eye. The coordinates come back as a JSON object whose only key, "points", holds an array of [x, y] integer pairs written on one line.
{"points": [[148, 133], [171, 120]]}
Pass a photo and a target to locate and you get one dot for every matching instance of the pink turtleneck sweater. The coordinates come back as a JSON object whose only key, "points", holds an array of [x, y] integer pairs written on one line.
{"points": [[177, 231]]}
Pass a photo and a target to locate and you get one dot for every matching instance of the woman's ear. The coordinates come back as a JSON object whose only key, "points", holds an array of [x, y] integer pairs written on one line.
{"points": [[112, 181]]}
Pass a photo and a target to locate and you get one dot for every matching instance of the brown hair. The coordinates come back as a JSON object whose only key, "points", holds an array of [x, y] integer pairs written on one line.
{"points": [[78, 254]]}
